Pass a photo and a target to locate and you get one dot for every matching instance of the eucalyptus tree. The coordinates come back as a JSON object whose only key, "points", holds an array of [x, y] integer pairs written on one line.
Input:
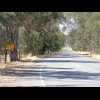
{"points": [[93, 32], [42, 23], [79, 21]]}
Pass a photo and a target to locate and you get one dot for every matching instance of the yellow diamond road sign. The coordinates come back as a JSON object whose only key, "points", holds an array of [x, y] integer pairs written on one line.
{"points": [[10, 46]]}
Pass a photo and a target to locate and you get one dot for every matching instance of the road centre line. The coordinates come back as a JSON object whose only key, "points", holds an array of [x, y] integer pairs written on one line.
{"points": [[41, 78]]}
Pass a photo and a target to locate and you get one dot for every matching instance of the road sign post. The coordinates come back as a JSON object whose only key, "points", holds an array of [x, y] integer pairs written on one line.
{"points": [[8, 47]]}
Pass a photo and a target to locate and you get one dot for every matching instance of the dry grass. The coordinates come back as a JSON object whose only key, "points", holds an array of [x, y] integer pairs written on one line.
{"points": [[83, 53], [89, 54], [2, 65], [95, 56], [10, 64], [28, 57], [1, 56], [17, 63]]}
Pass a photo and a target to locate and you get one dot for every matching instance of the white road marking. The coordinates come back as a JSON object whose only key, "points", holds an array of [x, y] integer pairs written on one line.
{"points": [[44, 85], [76, 65]]}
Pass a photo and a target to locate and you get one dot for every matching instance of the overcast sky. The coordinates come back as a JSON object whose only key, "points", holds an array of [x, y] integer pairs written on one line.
{"points": [[65, 32], [68, 26]]}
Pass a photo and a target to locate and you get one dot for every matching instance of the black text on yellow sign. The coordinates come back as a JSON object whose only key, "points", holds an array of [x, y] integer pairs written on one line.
{"points": [[10, 46]]}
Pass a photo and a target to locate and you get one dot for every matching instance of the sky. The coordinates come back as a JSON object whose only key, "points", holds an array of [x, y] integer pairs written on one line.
{"points": [[68, 26], [65, 32]]}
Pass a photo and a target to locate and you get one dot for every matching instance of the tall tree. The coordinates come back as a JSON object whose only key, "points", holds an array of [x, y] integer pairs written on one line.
{"points": [[40, 22]]}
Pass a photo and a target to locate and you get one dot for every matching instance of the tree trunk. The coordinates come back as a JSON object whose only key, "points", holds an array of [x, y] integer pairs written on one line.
{"points": [[43, 49], [5, 55], [14, 52], [11, 55], [16, 45], [48, 50], [12, 34]]}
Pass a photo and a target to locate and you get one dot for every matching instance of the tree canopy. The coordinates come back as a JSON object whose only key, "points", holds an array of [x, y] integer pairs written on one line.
{"points": [[31, 32], [87, 33], [39, 32]]}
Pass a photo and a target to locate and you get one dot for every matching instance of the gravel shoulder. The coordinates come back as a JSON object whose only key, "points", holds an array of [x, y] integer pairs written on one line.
{"points": [[17, 74]]}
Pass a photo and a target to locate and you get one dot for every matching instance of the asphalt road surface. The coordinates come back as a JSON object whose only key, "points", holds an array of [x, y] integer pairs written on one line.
{"points": [[67, 69]]}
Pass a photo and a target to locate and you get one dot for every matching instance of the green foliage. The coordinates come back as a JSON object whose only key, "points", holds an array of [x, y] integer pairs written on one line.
{"points": [[87, 36], [33, 43], [54, 39], [93, 31], [41, 32], [2, 42], [51, 41], [97, 50]]}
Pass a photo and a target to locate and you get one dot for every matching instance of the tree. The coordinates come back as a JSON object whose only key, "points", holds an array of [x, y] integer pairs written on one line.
{"points": [[43, 23], [37, 27], [80, 19], [11, 23], [93, 32]]}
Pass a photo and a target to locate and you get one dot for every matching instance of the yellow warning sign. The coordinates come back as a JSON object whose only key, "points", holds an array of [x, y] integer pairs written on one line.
{"points": [[10, 46]]}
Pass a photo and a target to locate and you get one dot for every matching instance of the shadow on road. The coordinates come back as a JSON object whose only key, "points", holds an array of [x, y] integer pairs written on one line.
{"points": [[61, 61], [47, 73], [67, 56], [70, 75], [56, 56]]}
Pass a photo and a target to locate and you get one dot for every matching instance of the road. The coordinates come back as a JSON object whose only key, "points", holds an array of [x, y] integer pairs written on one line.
{"points": [[67, 69]]}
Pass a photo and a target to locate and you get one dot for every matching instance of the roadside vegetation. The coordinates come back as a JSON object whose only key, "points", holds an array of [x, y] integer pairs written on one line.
{"points": [[39, 33], [85, 36], [35, 33]]}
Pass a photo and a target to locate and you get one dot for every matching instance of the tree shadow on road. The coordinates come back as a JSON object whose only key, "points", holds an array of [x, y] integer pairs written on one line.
{"points": [[56, 56], [70, 75], [66, 61], [48, 73], [67, 56]]}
